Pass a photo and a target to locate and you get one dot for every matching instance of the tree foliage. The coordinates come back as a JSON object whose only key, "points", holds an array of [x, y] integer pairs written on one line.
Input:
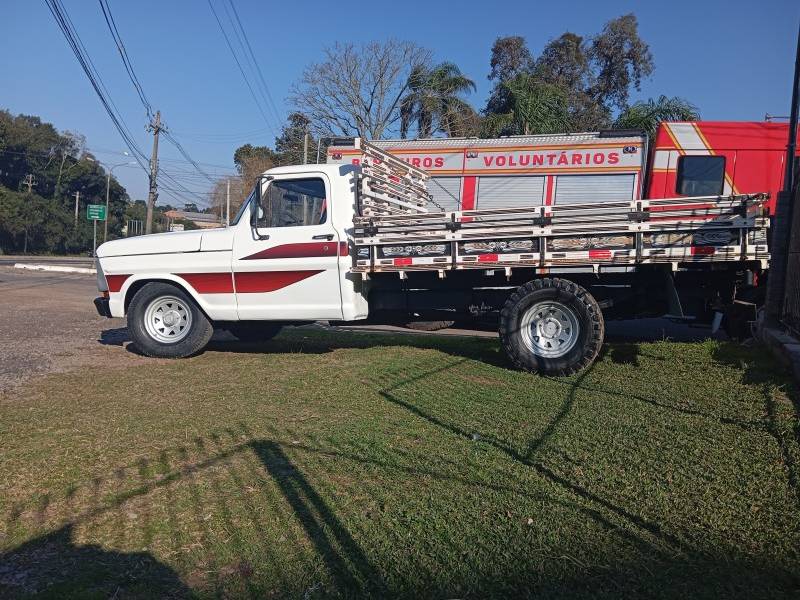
{"points": [[356, 90], [620, 59], [510, 58], [646, 115], [290, 143], [595, 76], [433, 102], [42, 220]]}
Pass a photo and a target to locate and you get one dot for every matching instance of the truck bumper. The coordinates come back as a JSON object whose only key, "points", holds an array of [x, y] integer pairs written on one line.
{"points": [[103, 309]]}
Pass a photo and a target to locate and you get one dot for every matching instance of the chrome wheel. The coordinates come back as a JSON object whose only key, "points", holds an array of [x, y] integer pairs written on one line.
{"points": [[549, 329], [167, 319]]}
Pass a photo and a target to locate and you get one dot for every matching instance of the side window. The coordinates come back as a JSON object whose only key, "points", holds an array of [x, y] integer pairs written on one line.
{"points": [[700, 175], [295, 203]]}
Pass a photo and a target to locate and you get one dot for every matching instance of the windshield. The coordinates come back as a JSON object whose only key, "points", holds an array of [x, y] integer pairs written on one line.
{"points": [[243, 207]]}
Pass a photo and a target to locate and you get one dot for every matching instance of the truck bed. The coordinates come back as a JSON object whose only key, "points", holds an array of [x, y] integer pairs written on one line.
{"points": [[394, 230], [706, 229]]}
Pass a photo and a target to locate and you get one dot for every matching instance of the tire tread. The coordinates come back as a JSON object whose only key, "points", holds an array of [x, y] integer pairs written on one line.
{"points": [[567, 287], [190, 345]]}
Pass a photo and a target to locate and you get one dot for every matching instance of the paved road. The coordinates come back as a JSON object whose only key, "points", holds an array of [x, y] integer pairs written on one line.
{"points": [[73, 261], [48, 324]]}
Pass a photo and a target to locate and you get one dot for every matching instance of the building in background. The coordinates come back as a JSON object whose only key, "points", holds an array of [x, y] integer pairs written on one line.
{"points": [[202, 220]]}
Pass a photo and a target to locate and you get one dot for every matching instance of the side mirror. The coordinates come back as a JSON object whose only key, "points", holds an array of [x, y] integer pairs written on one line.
{"points": [[257, 208]]}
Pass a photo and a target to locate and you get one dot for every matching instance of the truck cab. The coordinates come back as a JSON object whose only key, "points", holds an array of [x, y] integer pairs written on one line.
{"points": [[289, 262]]}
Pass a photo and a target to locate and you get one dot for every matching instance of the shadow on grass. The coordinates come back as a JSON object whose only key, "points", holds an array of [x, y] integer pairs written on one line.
{"points": [[669, 565], [319, 339], [53, 566], [765, 372], [346, 561], [528, 457]]}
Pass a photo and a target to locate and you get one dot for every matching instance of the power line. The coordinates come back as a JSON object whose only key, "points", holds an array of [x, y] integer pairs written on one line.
{"points": [[112, 28], [185, 155], [79, 50], [253, 61], [176, 190], [241, 69]]}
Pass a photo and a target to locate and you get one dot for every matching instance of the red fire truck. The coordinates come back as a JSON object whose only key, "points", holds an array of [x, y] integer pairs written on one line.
{"points": [[688, 159]]}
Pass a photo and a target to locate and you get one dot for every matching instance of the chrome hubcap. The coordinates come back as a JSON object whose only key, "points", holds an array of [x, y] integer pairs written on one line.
{"points": [[167, 319], [549, 329]]}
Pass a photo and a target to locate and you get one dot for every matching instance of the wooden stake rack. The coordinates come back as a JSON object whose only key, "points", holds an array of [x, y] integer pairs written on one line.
{"points": [[590, 234]]}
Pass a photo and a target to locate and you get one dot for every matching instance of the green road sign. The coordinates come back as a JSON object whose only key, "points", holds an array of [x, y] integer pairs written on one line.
{"points": [[96, 212]]}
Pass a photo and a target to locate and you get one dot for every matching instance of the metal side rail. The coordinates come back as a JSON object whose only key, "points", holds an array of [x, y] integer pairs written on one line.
{"points": [[590, 234], [388, 185]]}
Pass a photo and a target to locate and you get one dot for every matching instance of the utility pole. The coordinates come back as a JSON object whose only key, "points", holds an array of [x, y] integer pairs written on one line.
{"points": [[29, 181], [105, 223], [110, 169], [152, 194], [60, 171], [305, 148], [77, 199], [782, 223], [228, 204]]}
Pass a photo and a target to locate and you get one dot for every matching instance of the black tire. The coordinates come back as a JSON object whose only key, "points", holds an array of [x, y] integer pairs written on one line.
{"points": [[428, 325], [197, 334], [580, 307], [254, 331]]}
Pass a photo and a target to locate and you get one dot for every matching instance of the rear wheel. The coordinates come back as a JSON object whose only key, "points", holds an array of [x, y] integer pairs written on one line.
{"points": [[254, 331], [551, 326], [164, 321]]}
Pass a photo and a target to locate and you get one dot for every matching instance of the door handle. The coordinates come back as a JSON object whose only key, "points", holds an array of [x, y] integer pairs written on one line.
{"points": [[324, 236]]}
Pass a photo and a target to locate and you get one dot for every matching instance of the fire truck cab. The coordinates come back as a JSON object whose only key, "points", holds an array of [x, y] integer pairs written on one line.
{"points": [[718, 157]]}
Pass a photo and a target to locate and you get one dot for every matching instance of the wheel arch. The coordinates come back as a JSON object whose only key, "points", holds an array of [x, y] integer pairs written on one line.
{"points": [[137, 282]]}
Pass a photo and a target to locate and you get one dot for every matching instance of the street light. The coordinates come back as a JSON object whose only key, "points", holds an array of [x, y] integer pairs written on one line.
{"points": [[110, 169]]}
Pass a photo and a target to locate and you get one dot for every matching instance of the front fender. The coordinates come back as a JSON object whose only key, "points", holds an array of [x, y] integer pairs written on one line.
{"points": [[218, 304]]}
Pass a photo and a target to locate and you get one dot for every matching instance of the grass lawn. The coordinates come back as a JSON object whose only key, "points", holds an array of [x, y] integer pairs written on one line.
{"points": [[327, 463]]}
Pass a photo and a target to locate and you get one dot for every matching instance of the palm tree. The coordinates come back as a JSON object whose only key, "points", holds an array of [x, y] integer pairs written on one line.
{"points": [[536, 107], [646, 115], [433, 101]]}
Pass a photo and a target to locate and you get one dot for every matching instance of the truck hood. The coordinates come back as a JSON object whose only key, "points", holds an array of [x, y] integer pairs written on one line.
{"points": [[169, 243]]}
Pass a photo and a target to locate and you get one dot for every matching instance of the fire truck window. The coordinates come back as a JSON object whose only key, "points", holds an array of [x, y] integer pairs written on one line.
{"points": [[295, 203], [700, 175]]}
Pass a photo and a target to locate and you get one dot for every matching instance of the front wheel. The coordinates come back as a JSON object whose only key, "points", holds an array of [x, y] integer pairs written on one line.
{"points": [[164, 321], [551, 326]]}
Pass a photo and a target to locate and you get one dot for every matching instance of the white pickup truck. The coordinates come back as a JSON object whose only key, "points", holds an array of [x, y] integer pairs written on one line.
{"points": [[359, 244]]}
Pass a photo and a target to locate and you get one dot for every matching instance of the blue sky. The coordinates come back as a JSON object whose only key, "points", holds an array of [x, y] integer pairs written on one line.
{"points": [[733, 59]]}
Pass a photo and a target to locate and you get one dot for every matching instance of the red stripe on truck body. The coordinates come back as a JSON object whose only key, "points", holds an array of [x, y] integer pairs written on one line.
{"points": [[301, 250], [209, 283], [268, 281]]}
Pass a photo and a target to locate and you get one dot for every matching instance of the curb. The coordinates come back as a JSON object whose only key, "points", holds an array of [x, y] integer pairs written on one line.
{"points": [[785, 348], [56, 268]]}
